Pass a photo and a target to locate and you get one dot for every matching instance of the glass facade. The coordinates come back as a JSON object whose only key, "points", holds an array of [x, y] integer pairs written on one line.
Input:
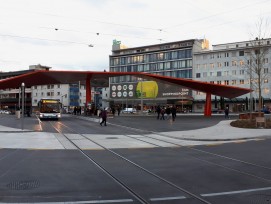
{"points": [[177, 63]]}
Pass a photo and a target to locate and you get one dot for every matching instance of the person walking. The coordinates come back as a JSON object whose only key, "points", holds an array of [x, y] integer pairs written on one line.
{"points": [[173, 113], [227, 113], [118, 111], [158, 111], [103, 115], [168, 112], [162, 114]]}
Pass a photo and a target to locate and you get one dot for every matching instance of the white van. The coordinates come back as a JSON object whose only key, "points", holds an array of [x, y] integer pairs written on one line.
{"points": [[129, 110]]}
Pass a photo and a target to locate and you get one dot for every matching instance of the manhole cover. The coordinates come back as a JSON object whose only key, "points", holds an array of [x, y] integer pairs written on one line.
{"points": [[23, 185], [112, 138], [260, 199]]}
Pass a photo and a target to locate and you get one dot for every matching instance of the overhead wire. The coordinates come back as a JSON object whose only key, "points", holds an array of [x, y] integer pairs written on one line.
{"points": [[210, 16]]}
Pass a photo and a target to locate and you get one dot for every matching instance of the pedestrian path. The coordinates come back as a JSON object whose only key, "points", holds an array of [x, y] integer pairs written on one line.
{"points": [[222, 132]]}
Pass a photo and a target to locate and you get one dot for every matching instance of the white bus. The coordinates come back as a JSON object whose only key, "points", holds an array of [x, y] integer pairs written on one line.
{"points": [[49, 108]]}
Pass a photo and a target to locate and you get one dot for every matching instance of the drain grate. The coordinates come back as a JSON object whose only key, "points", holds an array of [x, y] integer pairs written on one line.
{"points": [[112, 138], [260, 199], [23, 185]]}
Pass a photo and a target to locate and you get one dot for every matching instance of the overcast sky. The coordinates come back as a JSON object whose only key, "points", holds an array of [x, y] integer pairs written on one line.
{"points": [[58, 33]]}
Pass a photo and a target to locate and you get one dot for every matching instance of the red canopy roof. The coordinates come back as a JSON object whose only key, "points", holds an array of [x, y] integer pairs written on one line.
{"points": [[101, 79]]}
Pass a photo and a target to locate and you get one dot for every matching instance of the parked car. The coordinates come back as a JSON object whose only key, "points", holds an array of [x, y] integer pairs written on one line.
{"points": [[129, 110], [5, 112]]}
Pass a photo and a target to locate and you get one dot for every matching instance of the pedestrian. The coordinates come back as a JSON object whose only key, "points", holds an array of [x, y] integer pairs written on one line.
{"points": [[113, 110], [162, 114], [158, 111], [103, 115], [168, 112], [227, 113], [173, 112], [118, 111]]}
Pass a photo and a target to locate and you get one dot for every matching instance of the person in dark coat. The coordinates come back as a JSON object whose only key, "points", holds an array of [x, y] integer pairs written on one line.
{"points": [[173, 112], [227, 113], [168, 111], [158, 111], [103, 115], [162, 113]]}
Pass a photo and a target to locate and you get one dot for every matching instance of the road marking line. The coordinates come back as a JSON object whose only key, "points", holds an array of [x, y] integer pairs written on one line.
{"points": [[168, 198], [91, 201], [235, 192]]}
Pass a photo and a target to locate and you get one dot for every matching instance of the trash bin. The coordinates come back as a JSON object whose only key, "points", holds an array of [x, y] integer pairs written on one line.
{"points": [[18, 114]]}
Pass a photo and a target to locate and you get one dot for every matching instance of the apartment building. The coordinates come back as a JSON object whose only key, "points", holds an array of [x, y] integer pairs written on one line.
{"points": [[69, 94], [230, 64]]}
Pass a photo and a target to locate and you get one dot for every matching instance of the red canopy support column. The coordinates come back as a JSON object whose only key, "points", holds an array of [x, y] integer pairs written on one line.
{"points": [[208, 105], [88, 91]]}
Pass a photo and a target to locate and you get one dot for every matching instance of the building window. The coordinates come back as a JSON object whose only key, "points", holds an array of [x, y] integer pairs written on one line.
{"points": [[218, 74], [218, 55], [241, 53], [233, 72], [48, 93], [211, 73], [266, 81], [212, 56], [48, 86], [58, 93], [212, 65], [241, 63], [226, 64], [58, 86], [242, 81], [226, 82], [226, 73], [265, 70], [226, 54], [197, 75], [233, 82], [242, 72], [218, 82], [198, 66], [212, 82], [219, 64], [204, 74]]}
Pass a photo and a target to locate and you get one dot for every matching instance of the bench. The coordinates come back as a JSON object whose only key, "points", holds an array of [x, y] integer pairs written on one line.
{"points": [[260, 120]]}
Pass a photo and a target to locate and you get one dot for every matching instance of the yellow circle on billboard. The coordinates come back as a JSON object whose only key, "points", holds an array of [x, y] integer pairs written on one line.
{"points": [[149, 89]]}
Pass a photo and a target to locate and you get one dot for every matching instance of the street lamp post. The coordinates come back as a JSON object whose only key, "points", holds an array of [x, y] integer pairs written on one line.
{"points": [[23, 91]]}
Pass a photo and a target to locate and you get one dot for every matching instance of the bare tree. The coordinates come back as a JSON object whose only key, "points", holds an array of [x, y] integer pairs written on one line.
{"points": [[257, 59]]}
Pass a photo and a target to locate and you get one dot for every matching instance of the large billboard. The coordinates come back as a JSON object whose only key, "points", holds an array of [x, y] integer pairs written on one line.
{"points": [[148, 90]]}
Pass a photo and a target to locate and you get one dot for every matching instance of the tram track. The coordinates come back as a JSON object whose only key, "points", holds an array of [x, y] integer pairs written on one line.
{"points": [[201, 151], [132, 192], [147, 133]]}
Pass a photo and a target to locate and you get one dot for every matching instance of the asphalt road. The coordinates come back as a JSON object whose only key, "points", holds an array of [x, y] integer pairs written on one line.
{"points": [[237, 172], [145, 123]]}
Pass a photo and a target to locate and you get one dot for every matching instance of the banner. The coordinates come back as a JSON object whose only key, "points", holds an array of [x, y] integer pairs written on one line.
{"points": [[148, 90]]}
